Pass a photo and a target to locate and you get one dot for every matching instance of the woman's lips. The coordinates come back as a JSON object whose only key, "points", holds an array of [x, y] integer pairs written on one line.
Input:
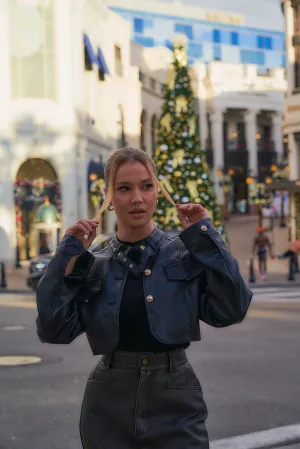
{"points": [[137, 214]]}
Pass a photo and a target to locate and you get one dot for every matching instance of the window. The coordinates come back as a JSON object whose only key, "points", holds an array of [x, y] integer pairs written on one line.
{"points": [[217, 52], [141, 76], [153, 83], [234, 38], [195, 50], [145, 41], [120, 127], [185, 29], [32, 58], [138, 25], [216, 36], [153, 132], [118, 61], [143, 131]]}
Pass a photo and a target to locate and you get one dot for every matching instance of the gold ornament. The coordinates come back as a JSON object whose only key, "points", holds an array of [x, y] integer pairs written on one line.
{"points": [[192, 125], [166, 183], [170, 82], [177, 173], [178, 156], [166, 121], [193, 188], [171, 214], [181, 104]]}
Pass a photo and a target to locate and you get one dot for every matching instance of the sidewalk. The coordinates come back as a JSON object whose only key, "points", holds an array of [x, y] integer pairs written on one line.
{"points": [[241, 232]]}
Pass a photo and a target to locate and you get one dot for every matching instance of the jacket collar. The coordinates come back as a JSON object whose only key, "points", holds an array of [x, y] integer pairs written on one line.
{"points": [[152, 240]]}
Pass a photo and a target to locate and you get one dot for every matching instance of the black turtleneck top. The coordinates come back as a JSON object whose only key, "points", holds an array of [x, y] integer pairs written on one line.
{"points": [[135, 333]]}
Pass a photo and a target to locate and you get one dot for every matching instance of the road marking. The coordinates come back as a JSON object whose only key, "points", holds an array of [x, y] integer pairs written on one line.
{"points": [[273, 314], [18, 304], [12, 360], [13, 328], [263, 439]]}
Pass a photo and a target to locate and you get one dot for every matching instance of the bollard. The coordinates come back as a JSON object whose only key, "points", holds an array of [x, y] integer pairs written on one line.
{"points": [[3, 276], [251, 271], [291, 276]]}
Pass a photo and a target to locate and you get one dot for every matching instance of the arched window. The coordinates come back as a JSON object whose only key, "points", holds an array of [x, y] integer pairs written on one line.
{"points": [[143, 131], [153, 132], [120, 128]]}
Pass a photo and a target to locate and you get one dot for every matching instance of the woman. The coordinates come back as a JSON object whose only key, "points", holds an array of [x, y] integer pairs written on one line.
{"points": [[139, 301]]}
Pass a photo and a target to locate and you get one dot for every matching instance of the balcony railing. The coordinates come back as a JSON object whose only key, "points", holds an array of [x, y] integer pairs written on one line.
{"points": [[234, 145], [238, 158], [266, 158], [265, 145]]}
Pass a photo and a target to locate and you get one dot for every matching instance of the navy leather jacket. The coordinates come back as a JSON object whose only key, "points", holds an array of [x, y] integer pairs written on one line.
{"points": [[186, 279]]}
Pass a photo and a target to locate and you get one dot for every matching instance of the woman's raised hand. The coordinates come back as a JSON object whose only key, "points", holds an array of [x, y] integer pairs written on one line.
{"points": [[191, 213], [82, 228]]}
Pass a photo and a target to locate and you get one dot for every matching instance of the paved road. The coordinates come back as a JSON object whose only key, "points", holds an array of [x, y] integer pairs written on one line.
{"points": [[249, 374]]}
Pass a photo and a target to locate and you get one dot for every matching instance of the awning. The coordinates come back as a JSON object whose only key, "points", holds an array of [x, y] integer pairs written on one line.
{"points": [[284, 185], [102, 62], [88, 46]]}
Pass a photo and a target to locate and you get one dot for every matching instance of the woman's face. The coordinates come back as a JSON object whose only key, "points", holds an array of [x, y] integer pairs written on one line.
{"points": [[134, 194]]}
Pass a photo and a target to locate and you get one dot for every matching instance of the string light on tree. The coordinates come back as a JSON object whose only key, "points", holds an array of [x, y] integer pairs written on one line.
{"points": [[180, 161]]}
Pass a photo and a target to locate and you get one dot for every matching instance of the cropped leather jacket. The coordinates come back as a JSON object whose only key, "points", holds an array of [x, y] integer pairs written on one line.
{"points": [[188, 278]]}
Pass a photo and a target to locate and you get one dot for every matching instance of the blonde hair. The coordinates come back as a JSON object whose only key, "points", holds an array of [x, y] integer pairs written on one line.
{"points": [[120, 157]]}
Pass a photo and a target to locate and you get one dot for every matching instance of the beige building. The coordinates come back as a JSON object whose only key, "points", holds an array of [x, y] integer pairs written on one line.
{"points": [[291, 124]]}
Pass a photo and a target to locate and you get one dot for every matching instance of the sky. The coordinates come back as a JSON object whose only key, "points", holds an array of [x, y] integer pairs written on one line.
{"points": [[258, 13]]}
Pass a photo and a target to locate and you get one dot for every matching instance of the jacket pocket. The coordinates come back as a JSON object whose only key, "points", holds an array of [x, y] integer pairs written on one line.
{"points": [[100, 373], [91, 288], [183, 378], [184, 271]]}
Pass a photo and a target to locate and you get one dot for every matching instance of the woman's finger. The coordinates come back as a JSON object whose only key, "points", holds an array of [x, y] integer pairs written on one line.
{"points": [[86, 224]]}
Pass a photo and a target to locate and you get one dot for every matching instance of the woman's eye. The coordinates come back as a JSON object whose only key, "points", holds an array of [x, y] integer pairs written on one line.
{"points": [[123, 188], [148, 186]]}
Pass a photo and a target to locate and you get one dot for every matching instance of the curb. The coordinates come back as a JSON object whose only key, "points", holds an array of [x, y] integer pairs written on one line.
{"points": [[279, 285], [265, 439], [16, 292]]}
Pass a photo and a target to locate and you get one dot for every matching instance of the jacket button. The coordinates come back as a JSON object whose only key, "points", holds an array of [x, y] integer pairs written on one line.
{"points": [[147, 272], [149, 298], [204, 228], [145, 362]]}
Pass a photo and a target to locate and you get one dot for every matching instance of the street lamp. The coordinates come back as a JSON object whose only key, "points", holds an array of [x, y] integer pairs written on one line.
{"points": [[259, 196], [279, 173], [225, 183]]}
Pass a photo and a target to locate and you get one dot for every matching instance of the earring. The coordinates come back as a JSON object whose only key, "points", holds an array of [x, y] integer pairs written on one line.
{"points": [[110, 207]]}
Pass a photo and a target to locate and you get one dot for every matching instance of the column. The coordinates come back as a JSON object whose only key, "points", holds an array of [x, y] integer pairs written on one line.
{"points": [[293, 158], [7, 206], [277, 134], [251, 129], [217, 122]]}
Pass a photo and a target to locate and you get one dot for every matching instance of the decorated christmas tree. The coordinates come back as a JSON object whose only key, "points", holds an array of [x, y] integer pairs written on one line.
{"points": [[180, 162]]}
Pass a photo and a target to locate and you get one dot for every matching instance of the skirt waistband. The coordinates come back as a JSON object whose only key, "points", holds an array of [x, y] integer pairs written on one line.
{"points": [[140, 360]]}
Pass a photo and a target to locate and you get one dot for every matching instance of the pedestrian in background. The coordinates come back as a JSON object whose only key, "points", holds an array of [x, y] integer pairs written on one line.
{"points": [[262, 244], [139, 301]]}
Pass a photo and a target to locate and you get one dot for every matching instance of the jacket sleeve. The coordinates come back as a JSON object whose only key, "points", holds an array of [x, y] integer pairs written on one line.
{"points": [[58, 318], [226, 298]]}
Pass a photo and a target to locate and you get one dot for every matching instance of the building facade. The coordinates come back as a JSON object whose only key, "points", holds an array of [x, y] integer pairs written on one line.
{"points": [[69, 96], [291, 124], [239, 77]]}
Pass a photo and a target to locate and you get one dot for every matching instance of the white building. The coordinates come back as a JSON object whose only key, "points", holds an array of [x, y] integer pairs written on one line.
{"points": [[291, 10], [239, 78], [69, 96]]}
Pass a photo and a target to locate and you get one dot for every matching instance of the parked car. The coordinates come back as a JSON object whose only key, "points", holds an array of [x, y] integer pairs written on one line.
{"points": [[38, 265]]}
